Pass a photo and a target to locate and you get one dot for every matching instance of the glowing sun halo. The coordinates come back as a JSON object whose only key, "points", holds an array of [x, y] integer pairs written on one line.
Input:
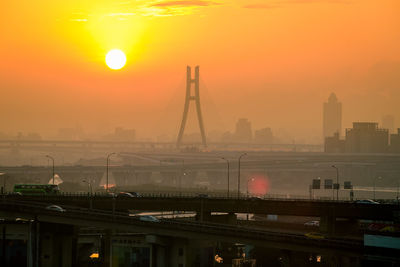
{"points": [[115, 59]]}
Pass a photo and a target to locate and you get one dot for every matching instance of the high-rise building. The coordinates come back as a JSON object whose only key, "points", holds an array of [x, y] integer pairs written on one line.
{"points": [[366, 137], [243, 131], [263, 136], [333, 144], [332, 117], [395, 142], [388, 123]]}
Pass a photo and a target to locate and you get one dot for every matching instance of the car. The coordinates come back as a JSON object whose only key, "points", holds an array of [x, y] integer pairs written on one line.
{"points": [[135, 194], [311, 223], [125, 194], [315, 235], [148, 218], [366, 201], [388, 229], [55, 208], [23, 220]]}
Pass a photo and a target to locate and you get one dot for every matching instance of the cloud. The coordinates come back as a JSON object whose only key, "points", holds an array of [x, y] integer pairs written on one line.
{"points": [[280, 3], [314, 1], [185, 3], [79, 20], [174, 8], [260, 6]]}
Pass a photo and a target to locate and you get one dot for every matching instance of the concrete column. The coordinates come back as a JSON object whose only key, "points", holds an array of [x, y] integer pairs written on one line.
{"points": [[106, 249], [327, 224]]}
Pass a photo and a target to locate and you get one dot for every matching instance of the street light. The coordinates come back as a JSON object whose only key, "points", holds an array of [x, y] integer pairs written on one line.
{"points": [[89, 185], [240, 157], [337, 181], [249, 180], [227, 162], [108, 160], [53, 164], [3, 189], [379, 178], [247, 194]]}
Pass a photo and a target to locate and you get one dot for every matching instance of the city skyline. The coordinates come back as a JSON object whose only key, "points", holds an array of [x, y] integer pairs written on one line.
{"points": [[291, 57]]}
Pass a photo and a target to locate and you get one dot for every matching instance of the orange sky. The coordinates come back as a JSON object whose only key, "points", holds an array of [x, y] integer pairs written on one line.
{"points": [[272, 61]]}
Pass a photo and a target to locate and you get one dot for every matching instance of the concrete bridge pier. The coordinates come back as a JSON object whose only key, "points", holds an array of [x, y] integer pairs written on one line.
{"points": [[332, 225], [57, 243], [327, 224], [106, 252]]}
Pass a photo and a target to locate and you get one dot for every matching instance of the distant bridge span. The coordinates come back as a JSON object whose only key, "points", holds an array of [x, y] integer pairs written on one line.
{"points": [[70, 145]]}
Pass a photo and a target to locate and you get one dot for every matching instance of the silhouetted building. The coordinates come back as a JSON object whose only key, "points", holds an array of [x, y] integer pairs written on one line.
{"points": [[127, 135], [333, 144], [366, 137], [243, 131], [395, 142], [332, 117], [71, 133], [263, 136], [388, 123]]}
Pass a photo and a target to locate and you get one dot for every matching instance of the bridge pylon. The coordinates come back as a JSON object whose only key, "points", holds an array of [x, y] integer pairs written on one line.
{"points": [[189, 97]]}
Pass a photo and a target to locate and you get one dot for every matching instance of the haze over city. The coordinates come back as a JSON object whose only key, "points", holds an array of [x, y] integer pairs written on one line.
{"points": [[198, 133], [272, 62]]}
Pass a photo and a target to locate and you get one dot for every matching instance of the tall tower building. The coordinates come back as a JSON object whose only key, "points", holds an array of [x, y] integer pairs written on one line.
{"points": [[243, 131], [332, 116], [388, 123]]}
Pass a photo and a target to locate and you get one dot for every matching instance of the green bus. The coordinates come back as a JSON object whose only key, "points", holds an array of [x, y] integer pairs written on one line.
{"points": [[36, 189]]}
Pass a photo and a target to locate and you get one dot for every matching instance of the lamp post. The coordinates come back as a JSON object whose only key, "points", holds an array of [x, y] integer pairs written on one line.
{"points": [[180, 177], [3, 189], [379, 178], [108, 160], [337, 181], [89, 186], [240, 157], [47, 156], [247, 193], [227, 162]]}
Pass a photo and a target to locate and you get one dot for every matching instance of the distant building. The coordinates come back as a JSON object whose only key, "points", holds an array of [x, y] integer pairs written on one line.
{"points": [[126, 135], [243, 131], [366, 137], [333, 144], [263, 136], [388, 123], [70, 133], [395, 142], [332, 117]]}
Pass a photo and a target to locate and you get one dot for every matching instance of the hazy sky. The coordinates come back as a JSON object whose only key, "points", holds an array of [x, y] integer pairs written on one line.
{"points": [[272, 61]]}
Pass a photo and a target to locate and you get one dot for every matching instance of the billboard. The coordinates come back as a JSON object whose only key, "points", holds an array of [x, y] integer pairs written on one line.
{"points": [[328, 184], [348, 185], [316, 184]]}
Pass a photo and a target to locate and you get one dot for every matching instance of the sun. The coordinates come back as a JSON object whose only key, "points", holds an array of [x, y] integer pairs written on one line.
{"points": [[115, 59]]}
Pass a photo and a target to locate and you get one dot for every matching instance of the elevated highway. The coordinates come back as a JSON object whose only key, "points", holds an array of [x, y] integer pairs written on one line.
{"points": [[294, 207], [184, 229]]}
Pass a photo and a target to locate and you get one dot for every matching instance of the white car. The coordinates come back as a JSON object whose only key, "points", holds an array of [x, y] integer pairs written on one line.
{"points": [[55, 208], [148, 218], [311, 223], [366, 201]]}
